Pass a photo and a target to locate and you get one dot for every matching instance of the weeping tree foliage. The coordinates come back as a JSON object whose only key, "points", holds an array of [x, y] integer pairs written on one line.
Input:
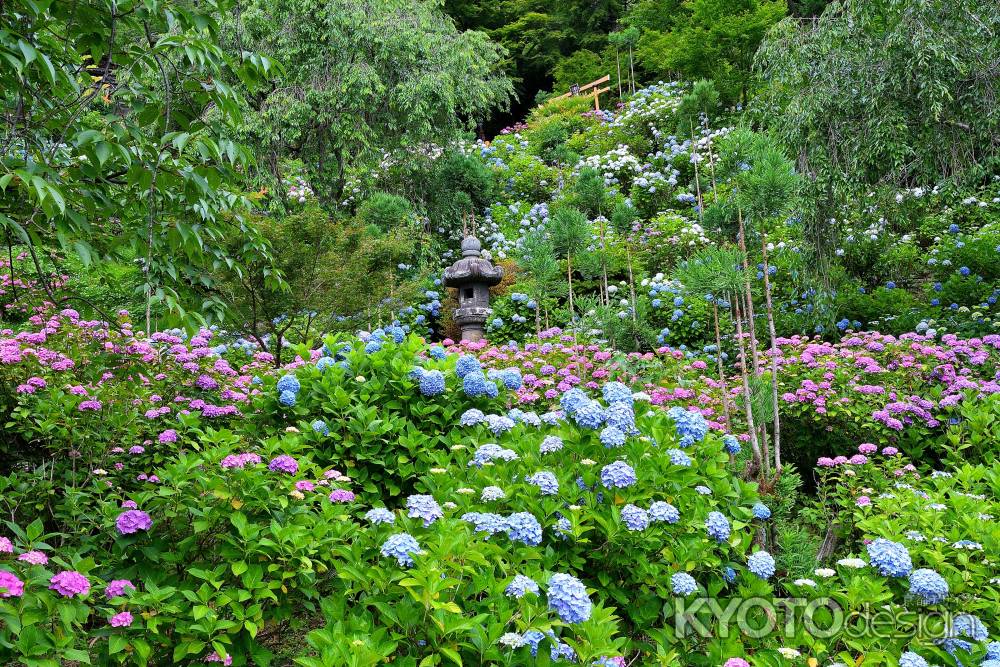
{"points": [[363, 77], [897, 92]]}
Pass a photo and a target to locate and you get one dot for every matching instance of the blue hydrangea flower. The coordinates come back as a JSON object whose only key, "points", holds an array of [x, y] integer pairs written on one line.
{"points": [[729, 574], [563, 528], [761, 563], [572, 399], [400, 546], [928, 585], [437, 352], [616, 392], [373, 346], [287, 398], [432, 383], [475, 384], [679, 458], [911, 659], [499, 424], [665, 512], [524, 527], [967, 625], [467, 364], [319, 426], [491, 493], [486, 522], [511, 378], [397, 333], [731, 443], [568, 598], [521, 585], [324, 363], [472, 417], [289, 383], [717, 526], [612, 437], [551, 443], [890, 558], [635, 518], [380, 515], [589, 414], [552, 418], [683, 584], [617, 475], [691, 426], [546, 482], [531, 419], [622, 417], [532, 638], [993, 651], [761, 511], [424, 507]]}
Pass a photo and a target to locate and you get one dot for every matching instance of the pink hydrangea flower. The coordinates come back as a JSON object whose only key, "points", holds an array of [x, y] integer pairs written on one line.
{"points": [[864, 501], [214, 657], [341, 496], [736, 662], [116, 588], [69, 583], [6, 547], [34, 557], [10, 585], [867, 448], [122, 620]]}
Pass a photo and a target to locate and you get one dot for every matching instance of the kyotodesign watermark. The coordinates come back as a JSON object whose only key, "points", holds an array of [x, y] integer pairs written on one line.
{"points": [[820, 618]]}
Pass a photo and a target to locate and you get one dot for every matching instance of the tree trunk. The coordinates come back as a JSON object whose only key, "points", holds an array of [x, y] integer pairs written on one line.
{"points": [[569, 279], [749, 293], [747, 405], [697, 179], [722, 370], [618, 63], [774, 362], [631, 281]]}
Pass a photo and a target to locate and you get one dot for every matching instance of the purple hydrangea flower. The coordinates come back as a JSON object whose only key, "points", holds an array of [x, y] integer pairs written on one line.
{"points": [[132, 521], [283, 463]]}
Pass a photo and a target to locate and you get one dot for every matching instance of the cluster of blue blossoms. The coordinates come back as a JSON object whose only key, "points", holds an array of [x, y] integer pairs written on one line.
{"points": [[762, 564], [568, 598], [400, 546], [288, 390], [928, 585], [424, 507], [718, 526], [891, 559], [683, 584], [691, 426], [546, 482]]}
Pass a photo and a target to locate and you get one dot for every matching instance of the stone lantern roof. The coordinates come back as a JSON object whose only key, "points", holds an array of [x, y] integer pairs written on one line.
{"points": [[472, 267]]}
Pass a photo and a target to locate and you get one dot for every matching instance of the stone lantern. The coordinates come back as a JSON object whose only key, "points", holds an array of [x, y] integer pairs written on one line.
{"points": [[473, 275]]}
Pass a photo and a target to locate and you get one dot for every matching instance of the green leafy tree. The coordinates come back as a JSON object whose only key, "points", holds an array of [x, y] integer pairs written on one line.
{"points": [[363, 78], [115, 138], [712, 39]]}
